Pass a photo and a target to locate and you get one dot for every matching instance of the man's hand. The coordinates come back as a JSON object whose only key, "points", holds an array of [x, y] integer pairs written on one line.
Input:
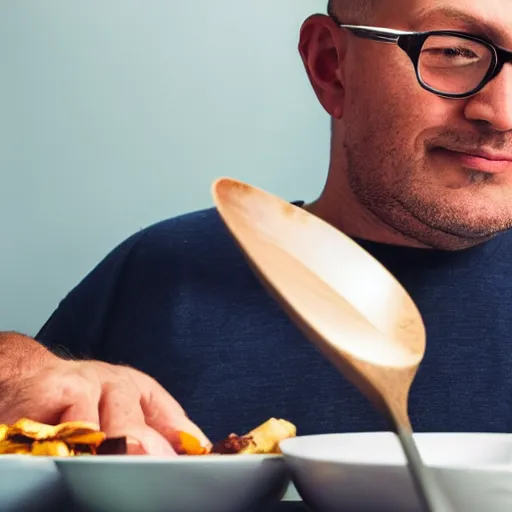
{"points": [[122, 401]]}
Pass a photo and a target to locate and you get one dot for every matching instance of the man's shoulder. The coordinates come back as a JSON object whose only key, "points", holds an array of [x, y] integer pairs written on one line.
{"points": [[197, 226], [176, 254], [160, 252], [192, 235], [186, 250]]}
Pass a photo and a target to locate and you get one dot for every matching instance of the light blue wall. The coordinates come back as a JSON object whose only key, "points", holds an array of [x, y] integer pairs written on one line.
{"points": [[117, 114]]}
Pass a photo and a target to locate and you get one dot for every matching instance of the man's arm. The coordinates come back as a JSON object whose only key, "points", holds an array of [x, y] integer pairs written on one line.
{"points": [[36, 384], [61, 379], [20, 356]]}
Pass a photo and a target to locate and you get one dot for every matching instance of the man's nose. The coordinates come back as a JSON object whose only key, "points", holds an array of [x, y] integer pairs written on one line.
{"points": [[493, 104]]}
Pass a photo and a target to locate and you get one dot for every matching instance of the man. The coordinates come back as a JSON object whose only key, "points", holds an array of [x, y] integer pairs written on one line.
{"points": [[420, 176]]}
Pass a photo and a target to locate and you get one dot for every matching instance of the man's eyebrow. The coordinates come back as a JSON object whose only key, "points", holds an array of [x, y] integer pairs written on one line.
{"points": [[425, 14]]}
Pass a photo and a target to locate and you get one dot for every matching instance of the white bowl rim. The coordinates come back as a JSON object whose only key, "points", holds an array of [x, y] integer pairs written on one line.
{"points": [[483, 467], [145, 460]]}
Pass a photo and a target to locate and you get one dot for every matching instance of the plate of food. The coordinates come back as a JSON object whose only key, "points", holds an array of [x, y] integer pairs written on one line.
{"points": [[241, 472]]}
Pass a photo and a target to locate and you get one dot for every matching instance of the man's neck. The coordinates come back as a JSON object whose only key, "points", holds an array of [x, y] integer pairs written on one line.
{"points": [[338, 207]]}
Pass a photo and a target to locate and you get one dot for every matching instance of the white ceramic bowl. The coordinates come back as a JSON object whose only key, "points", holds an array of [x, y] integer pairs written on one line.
{"points": [[185, 484], [368, 473], [28, 484]]}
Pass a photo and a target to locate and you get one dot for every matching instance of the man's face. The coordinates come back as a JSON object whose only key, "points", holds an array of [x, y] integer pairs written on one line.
{"points": [[409, 153]]}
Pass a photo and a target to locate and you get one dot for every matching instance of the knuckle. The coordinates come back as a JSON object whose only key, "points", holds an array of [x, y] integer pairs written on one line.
{"points": [[74, 383]]}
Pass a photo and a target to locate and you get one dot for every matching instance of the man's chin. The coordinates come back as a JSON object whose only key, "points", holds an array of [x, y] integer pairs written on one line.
{"points": [[467, 221], [464, 215]]}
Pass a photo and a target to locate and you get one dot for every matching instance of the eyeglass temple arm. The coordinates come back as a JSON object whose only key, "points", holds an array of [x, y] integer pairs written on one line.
{"points": [[375, 34]]}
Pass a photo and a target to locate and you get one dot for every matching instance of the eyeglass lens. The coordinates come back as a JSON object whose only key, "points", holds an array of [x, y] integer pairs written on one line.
{"points": [[453, 65]]}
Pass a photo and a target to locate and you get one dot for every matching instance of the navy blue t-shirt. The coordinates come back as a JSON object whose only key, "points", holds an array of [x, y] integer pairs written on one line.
{"points": [[178, 301]]}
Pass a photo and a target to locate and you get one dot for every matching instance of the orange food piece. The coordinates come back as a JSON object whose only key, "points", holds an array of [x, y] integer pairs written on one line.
{"points": [[191, 445]]}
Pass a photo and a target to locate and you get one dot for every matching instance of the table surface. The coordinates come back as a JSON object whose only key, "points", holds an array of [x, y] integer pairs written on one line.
{"points": [[283, 507], [66, 505]]}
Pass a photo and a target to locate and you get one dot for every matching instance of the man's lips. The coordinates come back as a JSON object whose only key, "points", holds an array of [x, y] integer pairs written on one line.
{"points": [[492, 163]]}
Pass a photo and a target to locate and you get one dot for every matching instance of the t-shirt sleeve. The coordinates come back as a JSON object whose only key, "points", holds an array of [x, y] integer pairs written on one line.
{"points": [[76, 328]]}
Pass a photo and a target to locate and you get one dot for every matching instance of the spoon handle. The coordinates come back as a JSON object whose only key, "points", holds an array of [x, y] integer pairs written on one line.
{"points": [[432, 497]]}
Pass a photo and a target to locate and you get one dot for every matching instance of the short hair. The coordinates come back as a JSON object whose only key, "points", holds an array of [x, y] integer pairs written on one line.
{"points": [[350, 11]]}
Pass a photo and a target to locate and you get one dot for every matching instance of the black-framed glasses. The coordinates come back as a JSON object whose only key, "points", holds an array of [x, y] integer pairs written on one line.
{"points": [[448, 63]]}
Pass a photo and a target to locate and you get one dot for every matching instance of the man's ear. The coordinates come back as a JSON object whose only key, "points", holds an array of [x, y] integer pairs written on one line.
{"points": [[322, 47]]}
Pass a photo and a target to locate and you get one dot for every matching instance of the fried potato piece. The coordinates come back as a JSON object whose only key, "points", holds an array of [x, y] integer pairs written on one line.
{"points": [[67, 439], [50, 449], [3, 431], [75, 428], [78, 432], [266, 437], [32, 429], [13, 448], [91, 439]]}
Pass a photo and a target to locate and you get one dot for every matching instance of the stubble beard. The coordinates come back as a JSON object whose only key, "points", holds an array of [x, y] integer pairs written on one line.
{"points": [[383, 183]]}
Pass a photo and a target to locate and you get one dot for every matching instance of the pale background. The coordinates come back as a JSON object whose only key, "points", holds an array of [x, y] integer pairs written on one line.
{"points": [[117, 114]]}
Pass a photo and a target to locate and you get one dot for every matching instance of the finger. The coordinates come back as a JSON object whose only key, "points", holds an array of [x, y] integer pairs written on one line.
{"points": [[166, 416], [79, 393], [146, 441], [84, 409], [121, 415]]}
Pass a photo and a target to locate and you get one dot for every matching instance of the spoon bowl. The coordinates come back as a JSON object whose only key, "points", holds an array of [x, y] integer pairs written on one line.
{"points": [[344, 301]]}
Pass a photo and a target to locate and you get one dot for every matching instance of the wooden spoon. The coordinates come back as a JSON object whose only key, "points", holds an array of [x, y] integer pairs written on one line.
{"points": [[342, 299]]}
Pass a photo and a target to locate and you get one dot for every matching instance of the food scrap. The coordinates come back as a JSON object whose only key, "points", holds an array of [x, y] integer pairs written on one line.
{"points": [[28, 437], [191, 445], [264, 439]]}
